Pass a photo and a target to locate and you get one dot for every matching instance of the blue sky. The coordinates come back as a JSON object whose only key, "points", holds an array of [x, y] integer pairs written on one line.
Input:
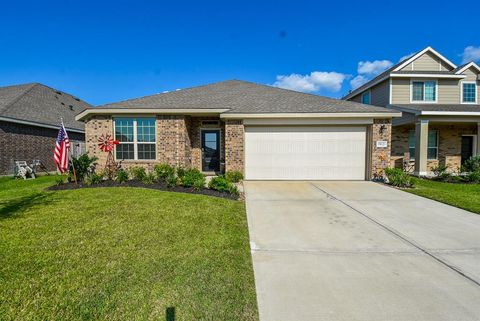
{"points": [[106, 51]]}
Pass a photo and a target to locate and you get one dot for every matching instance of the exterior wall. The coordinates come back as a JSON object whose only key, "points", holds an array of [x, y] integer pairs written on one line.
{"points": [[24, 142], [380, 156], [94, 128], [195, 137], [400, 91], [449, 144], [234, 145], [380, 94], [426, 62]]}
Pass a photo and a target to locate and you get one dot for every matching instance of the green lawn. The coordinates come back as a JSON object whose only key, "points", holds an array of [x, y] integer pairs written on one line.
{"points": [[466, 196], [122, 254]]}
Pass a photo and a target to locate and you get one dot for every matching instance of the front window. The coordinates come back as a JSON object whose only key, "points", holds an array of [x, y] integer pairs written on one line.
{"points": [[366, 97], [424, 91], [136, 137], [469, 92], [432, 152]]}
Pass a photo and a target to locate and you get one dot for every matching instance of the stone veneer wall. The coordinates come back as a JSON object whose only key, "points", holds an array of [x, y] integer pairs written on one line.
{"points": [[234, 145], [449, 144], [380, 156]]}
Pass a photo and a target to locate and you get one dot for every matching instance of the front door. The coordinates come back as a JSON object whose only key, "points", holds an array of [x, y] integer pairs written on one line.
{"points": [[467, 147], [211, 150]]}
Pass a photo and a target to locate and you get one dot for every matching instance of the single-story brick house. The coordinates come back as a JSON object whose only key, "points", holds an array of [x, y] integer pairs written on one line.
{"points": [[29, 121], [265, 132]]}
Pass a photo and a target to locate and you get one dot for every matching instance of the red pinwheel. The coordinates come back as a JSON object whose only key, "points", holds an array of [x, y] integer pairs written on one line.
{"points": [[106, 143]]}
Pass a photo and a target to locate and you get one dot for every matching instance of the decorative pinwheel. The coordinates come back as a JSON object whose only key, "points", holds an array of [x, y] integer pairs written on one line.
{"points": [[106, 143]]}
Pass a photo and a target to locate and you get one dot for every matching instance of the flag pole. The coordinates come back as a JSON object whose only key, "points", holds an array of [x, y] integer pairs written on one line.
{"points": [[70, 156]]}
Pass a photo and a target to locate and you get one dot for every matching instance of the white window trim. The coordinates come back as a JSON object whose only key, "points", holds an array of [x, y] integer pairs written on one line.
{"points": [[369, 92], [461, 92], [134, 142], [423, 101]]}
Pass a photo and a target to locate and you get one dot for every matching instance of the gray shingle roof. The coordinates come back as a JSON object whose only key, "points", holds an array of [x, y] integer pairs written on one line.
{"points": [[245, 97], [439, 107], [41, 104]]}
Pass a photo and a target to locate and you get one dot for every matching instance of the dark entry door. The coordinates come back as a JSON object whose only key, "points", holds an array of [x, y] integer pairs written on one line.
{"points": [[467, 147], [211, 150]]}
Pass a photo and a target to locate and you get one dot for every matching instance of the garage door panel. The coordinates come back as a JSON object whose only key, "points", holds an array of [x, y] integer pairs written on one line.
{"points": [[330, 153]]}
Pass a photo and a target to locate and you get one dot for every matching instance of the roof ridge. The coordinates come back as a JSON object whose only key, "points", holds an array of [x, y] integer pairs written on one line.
{"points": [[165, 93], [14, 101]]}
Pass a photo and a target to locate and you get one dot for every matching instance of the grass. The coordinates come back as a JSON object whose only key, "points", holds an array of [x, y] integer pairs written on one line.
{"points": [[465, 196], [122, 254]]}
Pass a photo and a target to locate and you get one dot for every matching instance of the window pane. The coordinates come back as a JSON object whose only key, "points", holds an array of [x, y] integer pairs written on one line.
{"points": [[366, 98], [432, 138], [469, 93], [124, 129], [124, 151], [146, 130], [430, 90], [146, 151], [432, 153], [417, 90], [412, 152], [411, 139]]}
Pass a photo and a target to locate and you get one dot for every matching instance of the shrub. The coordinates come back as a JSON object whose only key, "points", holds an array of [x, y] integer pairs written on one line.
{"points": [[472, 164], [83, 165], [94, 179], [399, 178], [234, 176], [59, 179], [199, 184], [163, 170], [122, 176], [219, 183], [192, 177], [232, 189], [171, 180], [149, 179], [441, 173], [473, 177], [180, 172], [138, 173]]}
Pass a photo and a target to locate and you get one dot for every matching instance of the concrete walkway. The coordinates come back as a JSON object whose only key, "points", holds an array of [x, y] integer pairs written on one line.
{"points": [[361, 251]]}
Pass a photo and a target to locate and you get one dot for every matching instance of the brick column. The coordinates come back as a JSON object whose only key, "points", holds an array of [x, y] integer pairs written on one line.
{"points": [[421, 147], [381, 133], [234, 145], [94, 128]]}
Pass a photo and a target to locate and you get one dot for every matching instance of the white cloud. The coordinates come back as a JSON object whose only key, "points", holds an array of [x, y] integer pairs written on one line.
{"points": [[406, 56], [316, 81], [373, 67], [358, 81], [471, 53]]}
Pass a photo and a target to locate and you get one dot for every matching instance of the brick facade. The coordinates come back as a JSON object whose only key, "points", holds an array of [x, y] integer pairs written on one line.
{"points": [[381, 130], [449, 144], [25, 142], [234, 145]]}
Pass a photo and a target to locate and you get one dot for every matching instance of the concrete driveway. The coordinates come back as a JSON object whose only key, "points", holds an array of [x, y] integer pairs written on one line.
{"points": [[361, 251]]}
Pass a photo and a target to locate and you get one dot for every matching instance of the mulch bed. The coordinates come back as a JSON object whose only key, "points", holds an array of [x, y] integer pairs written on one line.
{"points": [[157, 185]]}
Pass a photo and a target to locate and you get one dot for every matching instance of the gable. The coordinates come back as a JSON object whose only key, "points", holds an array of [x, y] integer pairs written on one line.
{"points": [[428, 61], [471, 73]]}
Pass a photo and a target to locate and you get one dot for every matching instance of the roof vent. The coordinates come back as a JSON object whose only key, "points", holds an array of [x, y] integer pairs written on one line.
{"points": [[70, 106], [58, 92], [62, 103], [77, 99]]}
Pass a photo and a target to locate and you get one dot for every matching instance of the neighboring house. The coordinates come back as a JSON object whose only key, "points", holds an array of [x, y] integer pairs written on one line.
{"points": [[29, 121], [440, 105], [263, 131]]}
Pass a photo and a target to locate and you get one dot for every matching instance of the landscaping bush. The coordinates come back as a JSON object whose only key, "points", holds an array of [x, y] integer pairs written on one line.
{"points": [[149, 179], [84, 165], [163, 170], [122, 176], [138, 173], [398, 177], [221, 184], [171, 180], [180, 172], [59, 179], [94, 178], [440, 172], [234, 176], [193, 178], [473, 177], [472, 164]]}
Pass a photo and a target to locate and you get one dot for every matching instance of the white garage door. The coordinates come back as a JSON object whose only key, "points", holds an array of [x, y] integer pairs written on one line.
{"points": [[305, 153]]}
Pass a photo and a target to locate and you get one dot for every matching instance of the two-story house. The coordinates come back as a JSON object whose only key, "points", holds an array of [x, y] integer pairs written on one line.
{"points": [[440, 123]]}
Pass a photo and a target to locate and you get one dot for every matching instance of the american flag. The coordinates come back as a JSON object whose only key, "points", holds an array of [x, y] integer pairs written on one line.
{"points": [[62, 145]]}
